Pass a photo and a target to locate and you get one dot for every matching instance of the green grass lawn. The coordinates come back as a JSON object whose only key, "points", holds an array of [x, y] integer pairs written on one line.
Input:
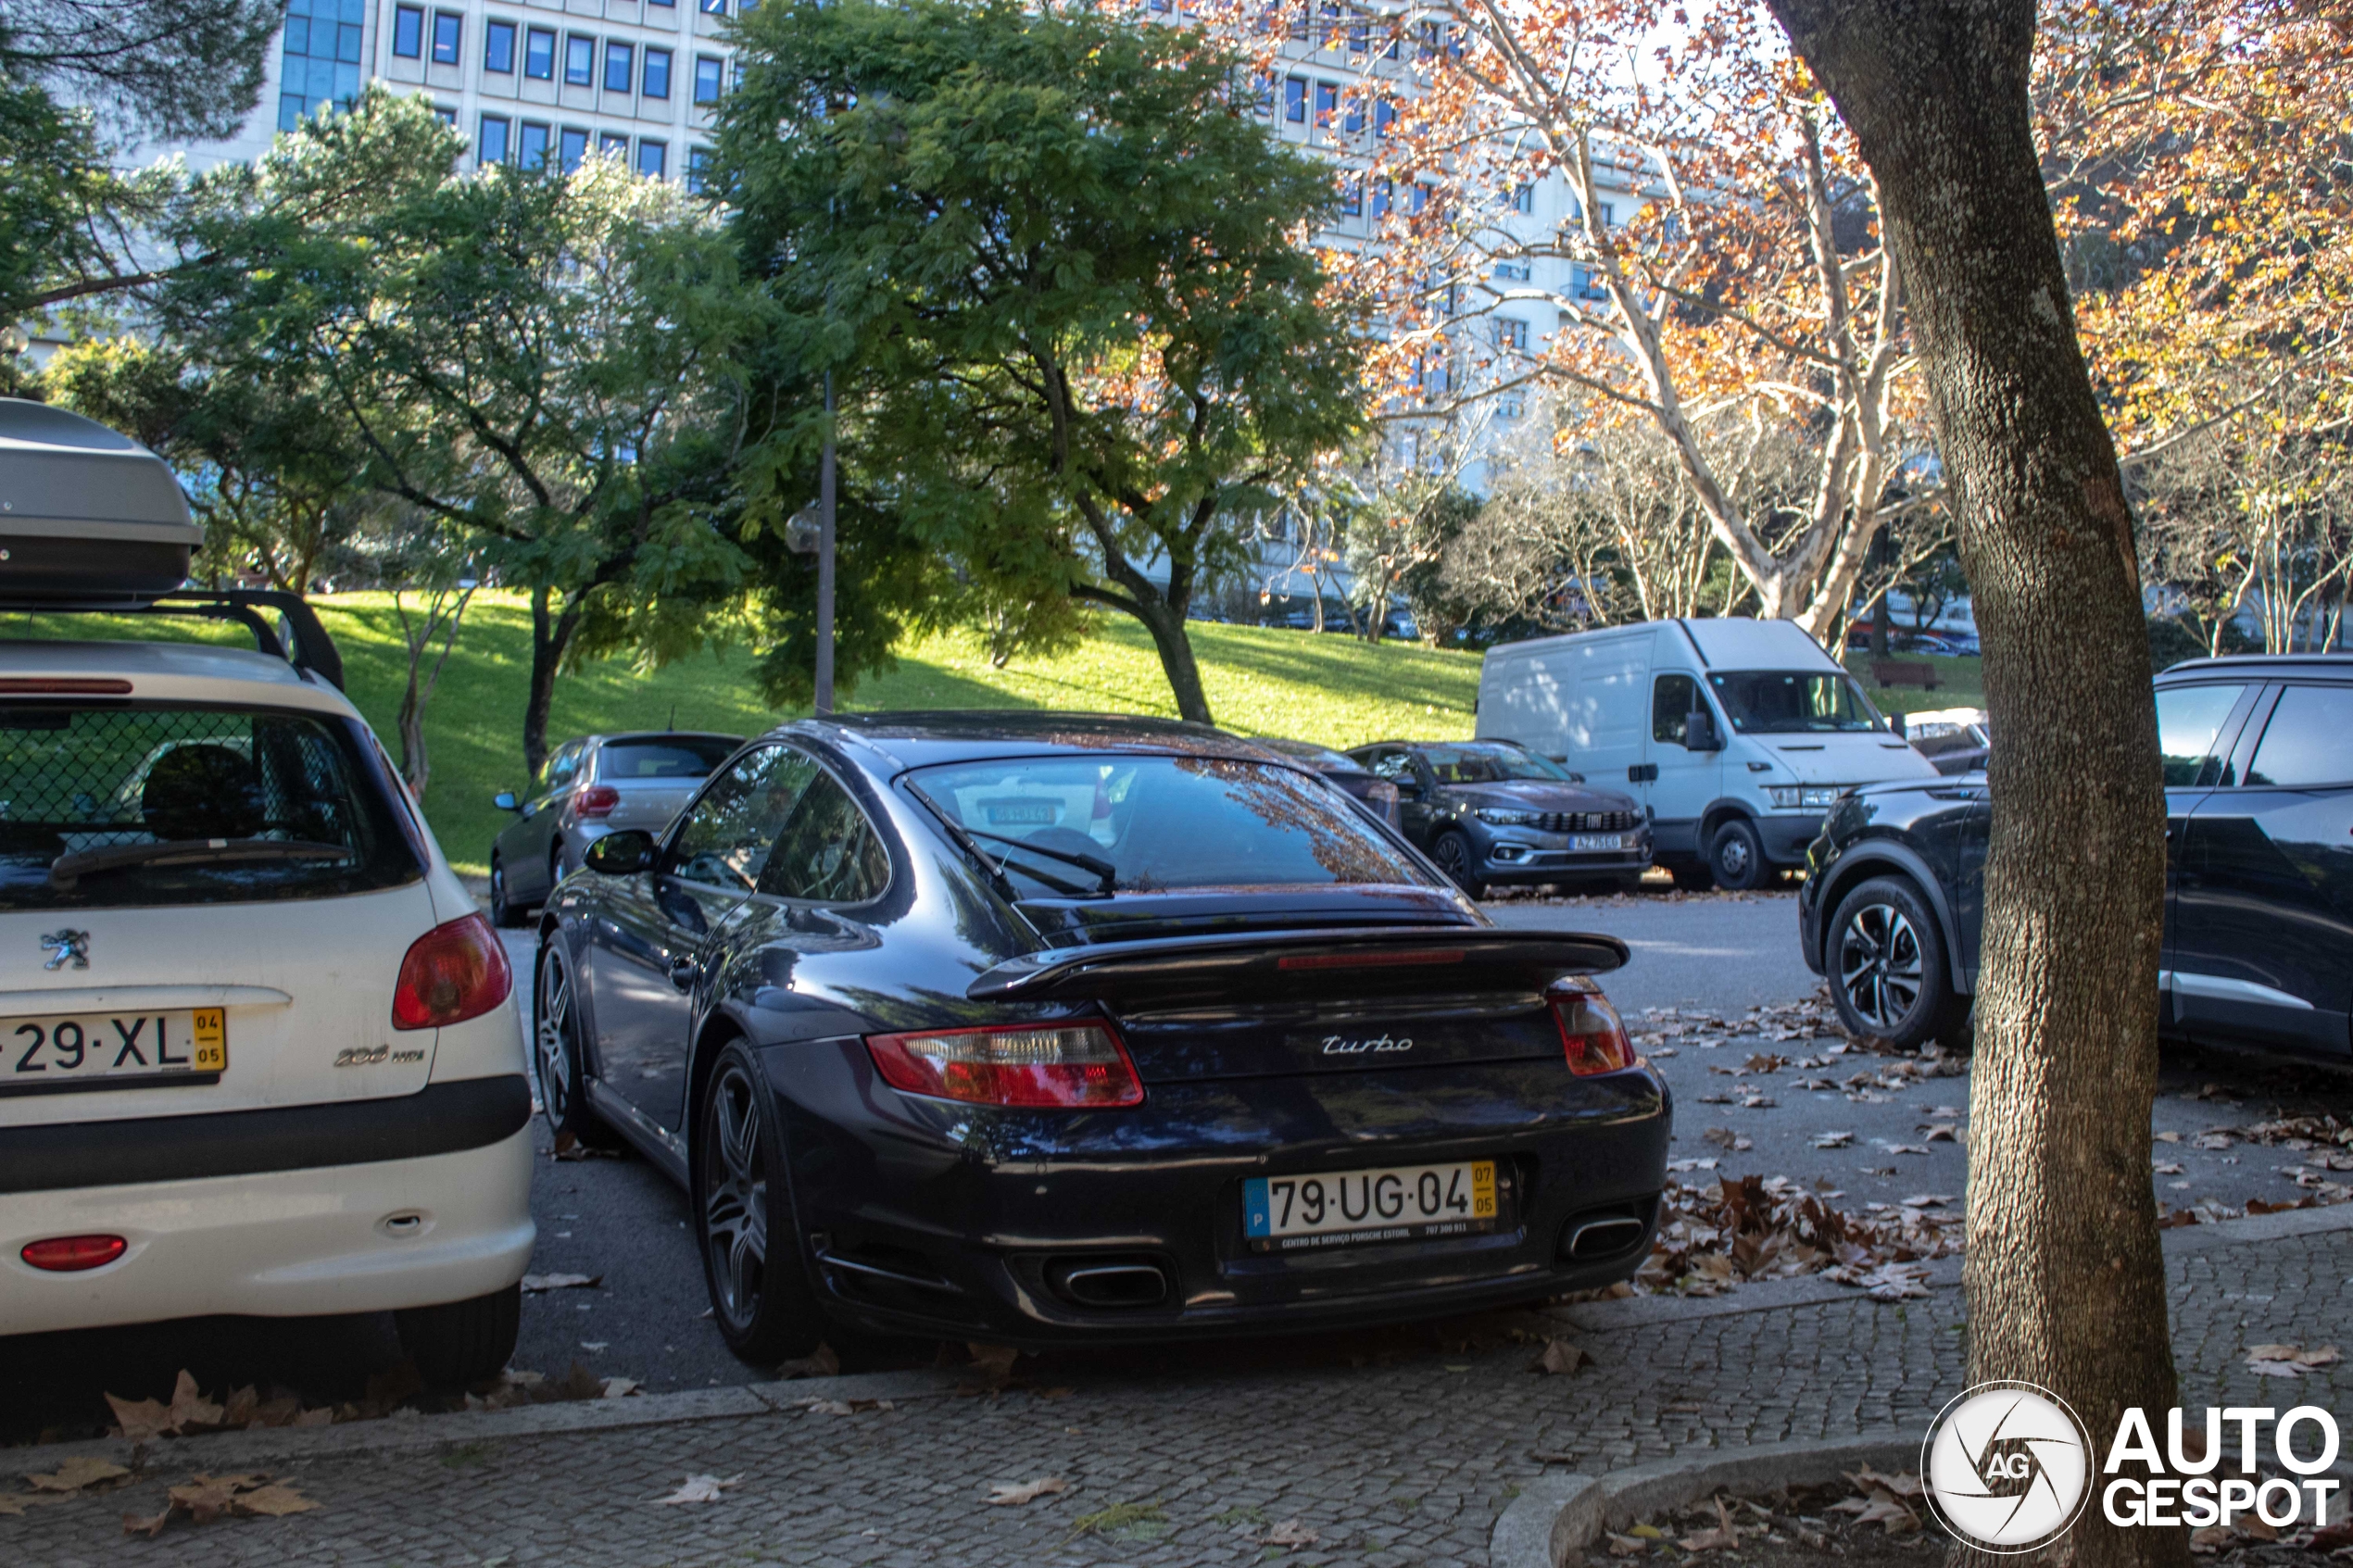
{"points": [[1960, 683], [1260, 681]]}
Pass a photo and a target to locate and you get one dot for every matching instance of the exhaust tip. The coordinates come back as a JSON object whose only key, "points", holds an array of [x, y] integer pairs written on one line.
{"points": [[1121, 1282], [1605, 1236]]}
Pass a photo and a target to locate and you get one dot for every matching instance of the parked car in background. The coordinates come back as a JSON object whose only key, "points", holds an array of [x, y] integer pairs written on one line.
{"points": [[263, 1054], [1494, 811], [1039, 1028], [1954, 740], [1734, 736], [2257, 758], [593, 785], [1376, 794]]}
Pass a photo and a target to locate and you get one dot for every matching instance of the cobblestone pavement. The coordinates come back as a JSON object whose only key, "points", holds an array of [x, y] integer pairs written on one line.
{"points": [[1191, 1457]]}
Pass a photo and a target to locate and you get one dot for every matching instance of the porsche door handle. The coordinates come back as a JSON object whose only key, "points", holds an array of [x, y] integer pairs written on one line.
{"points": [[684, 972]]}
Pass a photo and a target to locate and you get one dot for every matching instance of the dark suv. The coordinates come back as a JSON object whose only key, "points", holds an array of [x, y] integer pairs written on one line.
{"points": [[2259, 908], [1494, 811]]}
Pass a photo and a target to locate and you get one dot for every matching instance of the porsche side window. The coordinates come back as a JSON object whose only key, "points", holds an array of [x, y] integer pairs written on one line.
{"points": [[828, 853], [726, 835]]}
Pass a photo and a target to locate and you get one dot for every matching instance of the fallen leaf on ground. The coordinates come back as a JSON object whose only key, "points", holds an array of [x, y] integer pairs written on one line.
{"points": [[1625, 1546], [83, 1470], [1902, 1486], [820, 1362], [1724, 1137], [1289, 1533], [1721, 1537], [203, 1499], [620, 1388], [593, 1345], [1560, 1358], [534, 1284], [1928, 1201], [2166, 1137], [699, 1488], [1010, 1494], [1833, 1140], [1941, 1132], [2166, 1168], [2211, 1141], [1889, 1513]]}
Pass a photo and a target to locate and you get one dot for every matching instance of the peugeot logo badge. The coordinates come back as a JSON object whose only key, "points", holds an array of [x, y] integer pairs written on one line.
{"points": [[66, 944]]}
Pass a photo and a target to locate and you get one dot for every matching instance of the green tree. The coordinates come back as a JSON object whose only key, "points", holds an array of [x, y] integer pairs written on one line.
{"points": [[1053, 260], [550, 365]]}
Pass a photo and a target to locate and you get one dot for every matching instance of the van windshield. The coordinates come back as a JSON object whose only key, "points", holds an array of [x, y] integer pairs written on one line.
{"points": [[1784, 702], [113, 806]]}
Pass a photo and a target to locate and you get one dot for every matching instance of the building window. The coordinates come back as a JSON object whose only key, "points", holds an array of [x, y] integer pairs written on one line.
{"points": [[1609, 214], [698, 169], [664, 4], [579, 61], [539, 55], [1516, 271], [1298, 20], [498, 47], [408, 31], [708, 80], [621, 63], [531, 144], [491, 148], [1584, 286], [1352, 194], [1511, 334], [319, 56], [653, 158], [1523, 198], [1295, 100], [1354, 122], [1511, 406], [1384, 117], [657, 78], [714, 7], [448, 34], [1262, 94], [1327, 103], [1384, 196], [611, 143], [571, 147]]}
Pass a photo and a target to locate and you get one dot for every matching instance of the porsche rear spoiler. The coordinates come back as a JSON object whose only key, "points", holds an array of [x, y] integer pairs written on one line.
{"points": [[1265, 966]]}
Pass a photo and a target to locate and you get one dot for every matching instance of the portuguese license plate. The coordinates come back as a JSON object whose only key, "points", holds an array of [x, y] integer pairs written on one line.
{"points": [[1341, 1207], [1601, 841], [101, 1050]]}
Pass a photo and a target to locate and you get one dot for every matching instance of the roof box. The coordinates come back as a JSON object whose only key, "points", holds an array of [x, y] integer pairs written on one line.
{"points": [[87, 516]]}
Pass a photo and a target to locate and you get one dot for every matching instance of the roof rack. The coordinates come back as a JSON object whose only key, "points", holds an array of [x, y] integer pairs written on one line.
{"points": [[301, 640]]}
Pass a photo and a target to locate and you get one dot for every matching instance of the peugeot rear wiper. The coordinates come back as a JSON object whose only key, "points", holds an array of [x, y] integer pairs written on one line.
{"points": [[1101, 867], [72, 866]]}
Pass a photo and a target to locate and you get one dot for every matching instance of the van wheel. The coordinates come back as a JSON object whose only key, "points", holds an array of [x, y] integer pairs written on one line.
{"points": [[460, 1343], [1736, 857], [1886, 964], [1452, 853]]}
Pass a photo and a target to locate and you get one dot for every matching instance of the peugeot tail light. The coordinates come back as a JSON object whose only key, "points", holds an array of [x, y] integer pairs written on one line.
{"points": [[1592, 1036], [595, 803], [451, 973], [72, 1254], [1066, 1066]]}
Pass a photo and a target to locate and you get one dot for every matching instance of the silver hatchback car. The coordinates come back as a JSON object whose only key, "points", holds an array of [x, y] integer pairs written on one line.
{"points": [[593, 785]]}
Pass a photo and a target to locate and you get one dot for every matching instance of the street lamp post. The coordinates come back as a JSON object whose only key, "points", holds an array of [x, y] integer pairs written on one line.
{"points": [[811, 530]]}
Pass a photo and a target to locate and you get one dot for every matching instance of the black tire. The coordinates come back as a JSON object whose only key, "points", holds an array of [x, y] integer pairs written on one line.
{"points": [[504, 911], [1885, 959], [1451, 850], [743, 1220], [1692, 878], [556, 1055], [461, 1343], [1736, 857]]}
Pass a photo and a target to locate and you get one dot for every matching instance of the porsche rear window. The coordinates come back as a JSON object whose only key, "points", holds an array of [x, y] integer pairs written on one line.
{"points": [[118, 805], [1083, 826]]}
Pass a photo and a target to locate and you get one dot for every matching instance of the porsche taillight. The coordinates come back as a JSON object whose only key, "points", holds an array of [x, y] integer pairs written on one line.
{"points": [[1063, 1065], [1592, 1036], [451, 973]]}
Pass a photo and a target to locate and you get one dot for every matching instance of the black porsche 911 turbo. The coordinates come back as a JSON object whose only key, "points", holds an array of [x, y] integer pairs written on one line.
{"points": [[1053, 1028]]}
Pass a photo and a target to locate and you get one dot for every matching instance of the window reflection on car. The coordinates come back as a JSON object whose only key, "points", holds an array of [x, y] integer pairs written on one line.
{"points": [[1484, 762]]}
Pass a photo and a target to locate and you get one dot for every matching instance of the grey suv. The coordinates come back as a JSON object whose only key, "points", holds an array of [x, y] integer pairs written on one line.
{"points": [[593, 785]]}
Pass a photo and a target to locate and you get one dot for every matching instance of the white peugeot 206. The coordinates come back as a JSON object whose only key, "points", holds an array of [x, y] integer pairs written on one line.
{"points": [[258, 1052]]}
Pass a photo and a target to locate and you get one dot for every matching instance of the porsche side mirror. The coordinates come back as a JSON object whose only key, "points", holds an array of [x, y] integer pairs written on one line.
{"points": [[504, 800], [621, 854]]}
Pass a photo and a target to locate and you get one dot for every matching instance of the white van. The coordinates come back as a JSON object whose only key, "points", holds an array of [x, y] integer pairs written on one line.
{"points": [[1735, 735]]}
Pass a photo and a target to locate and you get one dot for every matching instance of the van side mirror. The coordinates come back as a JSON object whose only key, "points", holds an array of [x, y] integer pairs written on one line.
{"points": [[1895, 724], [504, 800], [1699, 730], [621, 854]]}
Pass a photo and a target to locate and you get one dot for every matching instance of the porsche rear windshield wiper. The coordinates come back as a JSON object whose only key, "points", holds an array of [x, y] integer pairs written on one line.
{"points": [[1102, 869], [72, 866]]}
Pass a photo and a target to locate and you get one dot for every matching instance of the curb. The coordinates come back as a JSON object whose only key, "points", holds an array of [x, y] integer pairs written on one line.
{"points": [[414, 1432], [1559, 1515]]}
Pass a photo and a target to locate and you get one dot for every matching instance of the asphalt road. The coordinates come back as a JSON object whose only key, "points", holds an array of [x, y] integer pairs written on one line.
{"points": [[619, 1221]]}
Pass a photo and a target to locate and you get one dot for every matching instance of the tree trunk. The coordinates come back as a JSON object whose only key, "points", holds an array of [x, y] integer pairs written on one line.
{"points": [[550, 634], [1167, 623], [2065, 1281]]}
